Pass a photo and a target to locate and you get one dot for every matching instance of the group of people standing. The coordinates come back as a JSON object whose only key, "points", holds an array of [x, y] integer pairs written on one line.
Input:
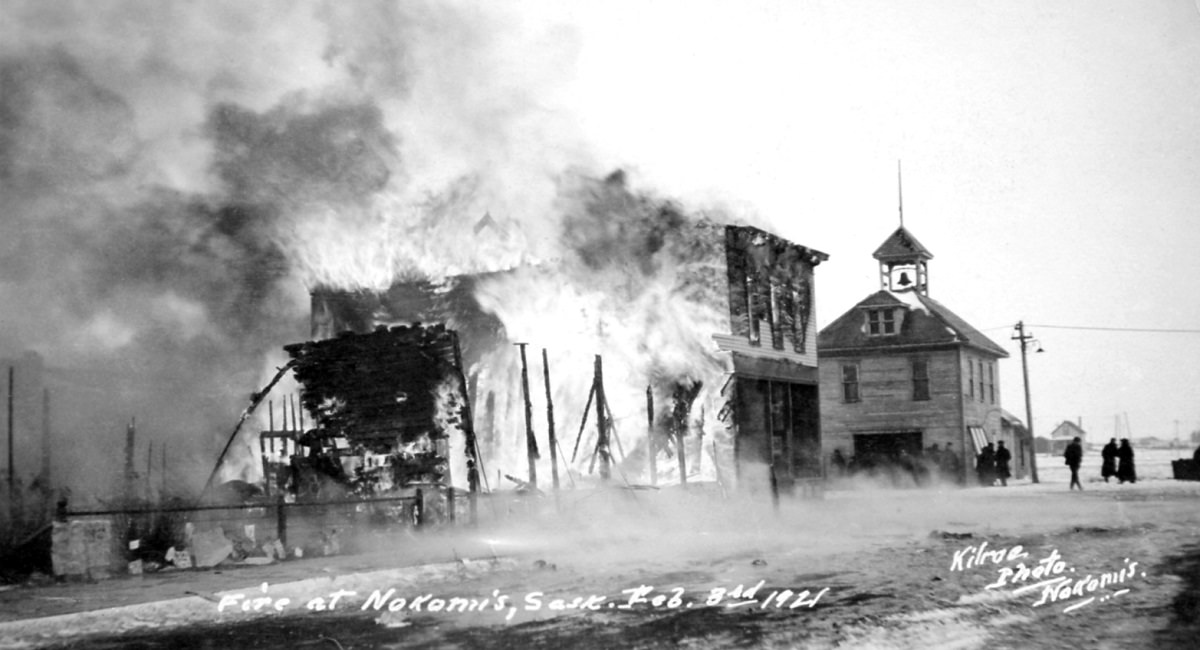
{"points": [[1118, 461], [994, 464], [1115, 461]]}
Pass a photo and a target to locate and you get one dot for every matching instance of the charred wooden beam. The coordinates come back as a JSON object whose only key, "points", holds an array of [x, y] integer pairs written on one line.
{"points": [[255, 400], [683, 397], [583, 422], [550, 421], [531, 449], [651, 448], [602, 446], [474, 461]]}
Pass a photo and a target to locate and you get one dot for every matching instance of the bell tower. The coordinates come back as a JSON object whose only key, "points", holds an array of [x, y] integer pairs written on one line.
{"points": [[903, 263]]}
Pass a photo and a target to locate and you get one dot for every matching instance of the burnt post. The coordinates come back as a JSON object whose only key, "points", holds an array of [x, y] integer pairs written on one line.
{"points": [[651, 450], [130, 472], [531, 448], [681, 452], [774, 488], [550, 420], [262, 453], [683, 398], [583, 422], [601, 421], [474, 462]]}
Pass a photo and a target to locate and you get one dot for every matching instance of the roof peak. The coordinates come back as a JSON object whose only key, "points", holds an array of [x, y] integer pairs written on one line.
{"points": [[901, 245]]}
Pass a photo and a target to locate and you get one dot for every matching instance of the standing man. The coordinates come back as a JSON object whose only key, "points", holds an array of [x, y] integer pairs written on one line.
{"points": [[1003, 458], [1108, 467], [1074, 456], [1125, 470]]}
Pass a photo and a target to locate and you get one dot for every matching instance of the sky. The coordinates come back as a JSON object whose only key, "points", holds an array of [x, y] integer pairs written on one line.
{"points": [[173, 175], [1049, 151]]}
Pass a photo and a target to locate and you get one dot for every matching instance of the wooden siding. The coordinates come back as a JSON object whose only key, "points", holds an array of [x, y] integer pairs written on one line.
{"points": [[981, 408], [886, 401], [742, 345]]}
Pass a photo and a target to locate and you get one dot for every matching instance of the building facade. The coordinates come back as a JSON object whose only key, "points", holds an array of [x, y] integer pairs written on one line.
{"points": [[901, 373], [776, 410]]}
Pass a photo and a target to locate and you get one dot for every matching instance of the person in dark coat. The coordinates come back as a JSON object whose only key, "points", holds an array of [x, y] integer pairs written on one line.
{"points": [[1109, 456], [1003, 458], [985, 465], [1125, 470], [1074, 457]]}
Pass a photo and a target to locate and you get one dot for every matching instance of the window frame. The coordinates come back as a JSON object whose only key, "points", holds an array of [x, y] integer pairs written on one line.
{"points": [[970, 378], [991, 383], [882, 321], [982, 393], [920, 379], [851, 384]]}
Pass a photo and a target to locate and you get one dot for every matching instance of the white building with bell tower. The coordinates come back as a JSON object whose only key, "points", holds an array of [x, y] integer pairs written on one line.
{"points": [[902, 378]]}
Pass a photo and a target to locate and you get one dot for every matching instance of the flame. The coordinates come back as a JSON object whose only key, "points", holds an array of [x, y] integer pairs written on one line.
{"points": [[639, 285], [626, 276]]}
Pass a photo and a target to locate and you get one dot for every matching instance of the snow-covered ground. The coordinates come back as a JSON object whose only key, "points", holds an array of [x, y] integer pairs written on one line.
{"points": [[910, 568]]}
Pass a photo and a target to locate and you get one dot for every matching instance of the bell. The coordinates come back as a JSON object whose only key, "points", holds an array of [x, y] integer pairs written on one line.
{"points": [[904, 281]]}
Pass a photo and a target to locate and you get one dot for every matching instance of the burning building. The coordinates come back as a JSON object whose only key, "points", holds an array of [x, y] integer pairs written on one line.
{"points": [[672, 350]]}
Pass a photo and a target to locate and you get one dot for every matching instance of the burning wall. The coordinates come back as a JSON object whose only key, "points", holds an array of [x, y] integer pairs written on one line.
{"points": [[385, 392], [674, 306]]}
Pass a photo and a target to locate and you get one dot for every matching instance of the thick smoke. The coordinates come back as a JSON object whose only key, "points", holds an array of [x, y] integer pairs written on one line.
{"points": [[174, 177]]}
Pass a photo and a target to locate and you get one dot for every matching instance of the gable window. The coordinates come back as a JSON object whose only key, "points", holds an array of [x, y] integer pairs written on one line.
{"points": [[850, 383], [920, 379], [881, 322]]}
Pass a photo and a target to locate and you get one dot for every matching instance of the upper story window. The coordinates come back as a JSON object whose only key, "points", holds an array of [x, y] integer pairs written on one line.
{"points": [[982, 393], [971, 378], [850, 383], [991, 383], [881, 322], [920, 379]]}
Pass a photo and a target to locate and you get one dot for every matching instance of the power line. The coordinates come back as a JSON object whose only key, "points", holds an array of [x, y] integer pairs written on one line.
{"points": [[1117, 329], [1101, 329]]}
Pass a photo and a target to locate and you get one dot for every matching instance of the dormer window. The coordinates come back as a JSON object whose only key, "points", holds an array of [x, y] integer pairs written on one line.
{"points": [[881, 322]]}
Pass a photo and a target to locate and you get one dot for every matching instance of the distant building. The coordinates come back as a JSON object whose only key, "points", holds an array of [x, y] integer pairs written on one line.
{"points": [[900, 372], [1063, 434]]}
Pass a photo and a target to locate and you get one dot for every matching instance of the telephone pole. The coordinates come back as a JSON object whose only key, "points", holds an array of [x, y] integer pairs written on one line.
{"points": [[1024, 338]]}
